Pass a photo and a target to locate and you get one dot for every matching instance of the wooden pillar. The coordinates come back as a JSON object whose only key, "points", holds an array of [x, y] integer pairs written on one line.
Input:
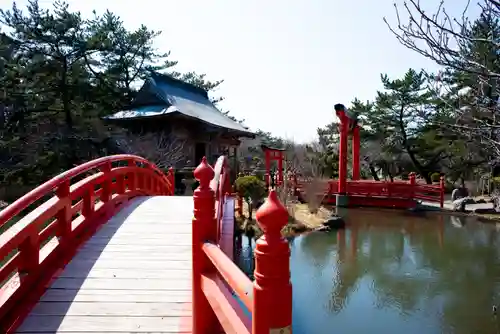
{"points": [[280, 168], [272, 290], [344, 128], [268, 168], [204, 228], [355, 153]]}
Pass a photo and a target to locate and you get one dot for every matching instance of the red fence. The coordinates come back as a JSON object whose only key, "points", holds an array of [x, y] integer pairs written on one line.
{"points": [[216, 277], [410, 190], [73, 205]]}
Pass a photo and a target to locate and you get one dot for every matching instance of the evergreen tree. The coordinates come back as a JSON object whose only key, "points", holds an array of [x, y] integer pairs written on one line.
{"points": [[401, 115]]}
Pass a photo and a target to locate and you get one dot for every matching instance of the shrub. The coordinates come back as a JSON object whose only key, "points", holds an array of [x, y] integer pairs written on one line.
{"points": [[252, 189], [435, 177]]}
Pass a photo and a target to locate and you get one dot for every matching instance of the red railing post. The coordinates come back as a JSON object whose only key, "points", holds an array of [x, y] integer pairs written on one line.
{"points": [[64, 215], [108, 182], [441, 191], [204, 228], [272, 308], [412, 184], [131, 184]]}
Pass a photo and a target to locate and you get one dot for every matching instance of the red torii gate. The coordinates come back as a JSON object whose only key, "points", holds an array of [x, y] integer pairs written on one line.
{"points": [[273, 154], [348, 125]]}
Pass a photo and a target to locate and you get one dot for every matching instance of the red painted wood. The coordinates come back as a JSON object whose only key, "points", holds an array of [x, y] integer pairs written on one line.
{"points": [[355, 153], [272, 291], [344, 127], [77, 210], [227, 228], [399, 194], [34, 266], [231, 274], [232, 320], [273, 154], [204, 229]]}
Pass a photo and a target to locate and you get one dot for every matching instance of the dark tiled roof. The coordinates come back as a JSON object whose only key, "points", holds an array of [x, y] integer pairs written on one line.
{"points": [[180, 97]]}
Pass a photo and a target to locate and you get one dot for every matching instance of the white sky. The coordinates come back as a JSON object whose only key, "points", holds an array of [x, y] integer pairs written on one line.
{"points": [[285, 62]]}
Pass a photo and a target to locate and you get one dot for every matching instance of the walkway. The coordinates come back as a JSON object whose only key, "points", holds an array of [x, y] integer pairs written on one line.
{"points": [[132, 276]]}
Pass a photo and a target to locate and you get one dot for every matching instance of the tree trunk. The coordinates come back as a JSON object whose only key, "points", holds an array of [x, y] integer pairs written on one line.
{"points": [[373, 172], [65, 94], [250, 209], [390, 175]]}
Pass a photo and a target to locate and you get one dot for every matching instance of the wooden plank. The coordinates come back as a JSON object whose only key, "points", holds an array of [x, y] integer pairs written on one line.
{"points": [[126, 273], [173, 229], [102, 242], [140, 248], [110, 309], [133, 256], [121, 284], [83, 264], [133, 276], [117, 296], [97, 324]]}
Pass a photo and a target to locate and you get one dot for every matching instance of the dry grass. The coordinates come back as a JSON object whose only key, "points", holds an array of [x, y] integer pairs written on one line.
{"points": [[300, 220]]}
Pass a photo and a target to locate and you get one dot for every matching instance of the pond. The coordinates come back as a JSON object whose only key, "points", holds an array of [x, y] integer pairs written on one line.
{"points": [[394, 272]]}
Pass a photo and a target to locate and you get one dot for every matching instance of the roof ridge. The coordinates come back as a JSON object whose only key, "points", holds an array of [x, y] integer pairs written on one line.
{"points": [[179, 83]]}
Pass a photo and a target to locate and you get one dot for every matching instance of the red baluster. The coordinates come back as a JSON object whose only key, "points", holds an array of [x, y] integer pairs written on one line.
{"points": [[64, 215], [204, 229], [131, 176], [120, 184], [107, 184], [272, 289]]}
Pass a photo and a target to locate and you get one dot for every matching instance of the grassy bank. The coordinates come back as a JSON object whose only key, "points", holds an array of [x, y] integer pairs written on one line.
{"points": [[300, 220]]}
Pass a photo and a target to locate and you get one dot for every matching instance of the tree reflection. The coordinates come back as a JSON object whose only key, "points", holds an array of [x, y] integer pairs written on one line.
{"points": [[416, 265]]}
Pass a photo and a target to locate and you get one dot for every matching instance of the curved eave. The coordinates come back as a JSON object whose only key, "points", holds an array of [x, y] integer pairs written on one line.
{"points": [[128, 116]]}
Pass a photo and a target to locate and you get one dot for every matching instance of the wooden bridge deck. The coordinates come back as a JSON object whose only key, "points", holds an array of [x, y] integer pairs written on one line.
{"points": [[133, 276]]}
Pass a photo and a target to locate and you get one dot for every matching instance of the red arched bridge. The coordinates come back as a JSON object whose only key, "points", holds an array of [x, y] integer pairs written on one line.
{"points": [[106, 247]]}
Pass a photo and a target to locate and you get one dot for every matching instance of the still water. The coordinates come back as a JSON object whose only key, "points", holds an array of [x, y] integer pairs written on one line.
{"points": [[390, 272]]}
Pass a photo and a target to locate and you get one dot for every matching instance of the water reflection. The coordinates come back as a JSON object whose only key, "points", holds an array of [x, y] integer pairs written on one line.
{"points": [[390, 272]]}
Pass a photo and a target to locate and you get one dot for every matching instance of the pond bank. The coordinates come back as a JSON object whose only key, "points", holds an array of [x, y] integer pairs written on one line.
{"points": [[300, 220], [482, 210]]}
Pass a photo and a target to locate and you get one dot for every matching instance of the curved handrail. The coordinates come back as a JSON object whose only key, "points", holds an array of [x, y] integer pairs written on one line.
{"points": [[221, 185], [23, 202], [35, 247]]}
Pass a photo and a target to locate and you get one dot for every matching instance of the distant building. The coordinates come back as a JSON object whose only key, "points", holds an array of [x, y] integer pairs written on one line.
{"points": [[178, 112]]}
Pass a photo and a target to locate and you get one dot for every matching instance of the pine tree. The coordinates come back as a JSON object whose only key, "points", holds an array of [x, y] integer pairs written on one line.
{"points": [[401, 116]]}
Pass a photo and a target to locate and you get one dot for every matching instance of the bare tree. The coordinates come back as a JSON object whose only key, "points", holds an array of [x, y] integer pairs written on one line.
{"points": [[163, 149], [440, 37], [445, 39], [304, 160]]}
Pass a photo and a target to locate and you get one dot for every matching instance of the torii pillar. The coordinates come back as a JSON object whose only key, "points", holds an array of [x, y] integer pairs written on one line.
{"points": [[273, 154], [348, 125]]}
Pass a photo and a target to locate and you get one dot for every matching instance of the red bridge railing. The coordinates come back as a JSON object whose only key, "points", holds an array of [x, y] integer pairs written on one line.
{"points": [[73, 205], [216, 277], [76, 202], [407, 190]]}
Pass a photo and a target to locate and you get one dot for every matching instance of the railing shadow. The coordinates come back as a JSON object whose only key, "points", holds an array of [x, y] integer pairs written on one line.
{"points": [[53, 306]]}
